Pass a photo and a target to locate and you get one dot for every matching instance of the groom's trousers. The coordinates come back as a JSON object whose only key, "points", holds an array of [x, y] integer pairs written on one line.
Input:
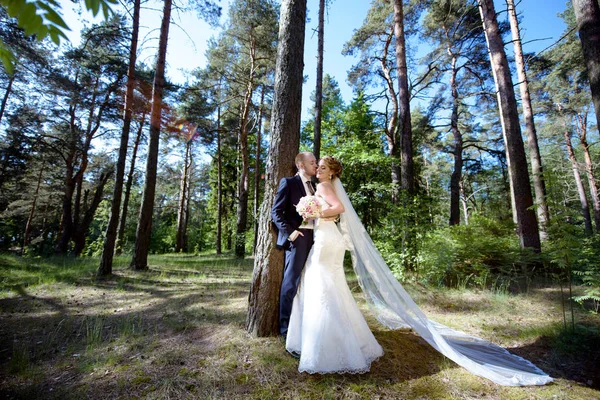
{"points": [[295, 257]]}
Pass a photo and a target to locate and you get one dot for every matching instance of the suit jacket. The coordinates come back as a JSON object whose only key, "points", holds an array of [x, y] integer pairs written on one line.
{"points": [[284, 214]]}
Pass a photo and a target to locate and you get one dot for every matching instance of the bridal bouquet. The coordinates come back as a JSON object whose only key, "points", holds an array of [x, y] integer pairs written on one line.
{"points": [[309, 207]]}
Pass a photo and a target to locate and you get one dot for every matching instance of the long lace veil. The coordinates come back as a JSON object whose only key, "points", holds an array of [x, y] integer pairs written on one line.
{"points": [[395, 309]]}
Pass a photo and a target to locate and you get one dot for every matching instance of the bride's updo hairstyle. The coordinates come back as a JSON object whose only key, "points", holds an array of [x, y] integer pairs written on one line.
{"points": [[334, 166]]}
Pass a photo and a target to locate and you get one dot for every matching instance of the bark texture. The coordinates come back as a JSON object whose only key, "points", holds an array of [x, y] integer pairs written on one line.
{"points": [[535, 159], [527, 228], [585, 209], [144, 226], [263, 299], [406, 169], [587, 13], [105, 268]]}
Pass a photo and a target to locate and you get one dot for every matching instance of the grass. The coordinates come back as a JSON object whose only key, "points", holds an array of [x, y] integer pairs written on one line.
{"points": [[176, 331]]}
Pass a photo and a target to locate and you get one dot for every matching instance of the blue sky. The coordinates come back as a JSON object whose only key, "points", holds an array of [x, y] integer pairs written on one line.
{"points": [[188, 36]]}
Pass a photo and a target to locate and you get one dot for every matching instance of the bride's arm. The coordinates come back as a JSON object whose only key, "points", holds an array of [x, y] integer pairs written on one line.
{"points": [[335, 208]]}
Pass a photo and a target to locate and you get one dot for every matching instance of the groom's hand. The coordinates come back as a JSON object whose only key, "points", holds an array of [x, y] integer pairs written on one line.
{"points": [[295, 235]]}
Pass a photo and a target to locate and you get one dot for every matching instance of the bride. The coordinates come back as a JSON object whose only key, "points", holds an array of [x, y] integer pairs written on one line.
{"points": [[328, 330]]}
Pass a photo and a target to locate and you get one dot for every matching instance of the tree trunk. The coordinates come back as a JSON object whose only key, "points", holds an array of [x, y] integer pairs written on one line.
{"points": [[66, 231], [455, 179], [263, 299], [144, 227], [6, 95], [587, 13], [32, 211], [465, 204], [406, 170], [391, 129], [219, 185], [585, 209], [123, 219], [589, 168], [257, 168], [532, 140], [105, 268], [243, 184], [319, 88], [527, 227], [180, 237], [88, 216]]}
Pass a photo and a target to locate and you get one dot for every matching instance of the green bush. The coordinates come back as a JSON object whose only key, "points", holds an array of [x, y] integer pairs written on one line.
{"points": [[476, 254]]}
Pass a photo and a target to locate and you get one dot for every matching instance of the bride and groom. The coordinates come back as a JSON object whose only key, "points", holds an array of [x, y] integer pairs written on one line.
{"points": [[319, 318]]}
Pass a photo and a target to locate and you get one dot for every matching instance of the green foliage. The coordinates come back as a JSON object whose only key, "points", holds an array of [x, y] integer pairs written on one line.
{"points": [[41, 18], [480, 253]]}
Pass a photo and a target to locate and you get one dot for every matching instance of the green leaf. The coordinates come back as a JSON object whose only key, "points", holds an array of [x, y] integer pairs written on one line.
{"points": [[93, 6], [15, 7], [8, 58], [54, 17]]}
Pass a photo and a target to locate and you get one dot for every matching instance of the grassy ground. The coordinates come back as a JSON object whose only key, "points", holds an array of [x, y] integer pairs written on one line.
{"points": [[176, 332]]}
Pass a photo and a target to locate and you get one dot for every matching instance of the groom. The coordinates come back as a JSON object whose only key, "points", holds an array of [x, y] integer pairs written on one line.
{"points": [[295, 240]]}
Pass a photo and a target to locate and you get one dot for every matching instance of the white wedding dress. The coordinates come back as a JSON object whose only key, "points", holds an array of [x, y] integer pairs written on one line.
{"points": [[331, 335], [326, 327]]}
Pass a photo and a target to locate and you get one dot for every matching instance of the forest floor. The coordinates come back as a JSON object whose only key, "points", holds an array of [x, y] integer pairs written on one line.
{"points": [[177, 332]]}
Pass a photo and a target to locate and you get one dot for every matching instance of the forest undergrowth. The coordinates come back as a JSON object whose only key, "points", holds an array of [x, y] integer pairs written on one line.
{"points": [[177, 331]]}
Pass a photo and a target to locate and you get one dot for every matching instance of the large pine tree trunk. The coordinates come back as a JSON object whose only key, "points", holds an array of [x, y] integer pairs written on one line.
{"points": [[587, 13], [406, 170], [144, 226], [527, 227], [455, 179], [532, 140], [585, 209], [257, 167], [106, 260], [319, 87], [263, 300], [589, 168], [123, 219]]}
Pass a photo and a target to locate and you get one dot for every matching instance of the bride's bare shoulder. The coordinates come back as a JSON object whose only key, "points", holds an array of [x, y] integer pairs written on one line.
{"points": [[324, 188]]}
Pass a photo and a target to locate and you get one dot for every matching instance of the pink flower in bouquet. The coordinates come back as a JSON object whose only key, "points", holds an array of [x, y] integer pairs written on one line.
{"points": [[309, 207]]}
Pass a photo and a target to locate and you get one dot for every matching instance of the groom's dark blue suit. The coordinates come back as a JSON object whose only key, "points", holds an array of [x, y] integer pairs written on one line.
{"points": [[287, 220]]}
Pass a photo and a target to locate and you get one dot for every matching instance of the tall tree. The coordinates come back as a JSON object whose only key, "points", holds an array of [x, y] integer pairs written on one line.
{"points": [[407, 178], [105, 267], [257, 164], [253, 26], [581, 126], [319, 83], [373, 40], [263, 299], [130, 177], [88, 84], [585, 209], [527, 228], [537, 169], [454, 27], [144, 225], [183, 206], [587, 13]]}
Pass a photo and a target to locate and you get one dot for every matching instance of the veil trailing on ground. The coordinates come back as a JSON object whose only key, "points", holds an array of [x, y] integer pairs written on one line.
{"points": [[395, 309]]}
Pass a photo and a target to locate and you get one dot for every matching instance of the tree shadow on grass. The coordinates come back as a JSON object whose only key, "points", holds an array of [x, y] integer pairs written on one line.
{"points": [[566, 353]]}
